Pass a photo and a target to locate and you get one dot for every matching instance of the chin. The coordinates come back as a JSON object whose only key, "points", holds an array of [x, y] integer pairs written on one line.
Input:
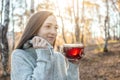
{"points": [[51, 43]]}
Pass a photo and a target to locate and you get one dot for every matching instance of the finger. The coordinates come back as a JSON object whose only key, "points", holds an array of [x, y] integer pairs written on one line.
{"points": [[35, 41], [43, 44], [38, 40]]}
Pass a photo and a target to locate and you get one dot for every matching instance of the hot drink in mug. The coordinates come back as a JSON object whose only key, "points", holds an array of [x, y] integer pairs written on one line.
{"points": [[73, 51]]}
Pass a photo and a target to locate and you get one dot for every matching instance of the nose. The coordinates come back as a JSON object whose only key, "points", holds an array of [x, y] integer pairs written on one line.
{"points": [[53, 31]]}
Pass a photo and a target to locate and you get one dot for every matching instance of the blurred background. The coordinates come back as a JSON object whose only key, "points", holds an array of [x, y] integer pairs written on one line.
{"points": [[95, 23]]}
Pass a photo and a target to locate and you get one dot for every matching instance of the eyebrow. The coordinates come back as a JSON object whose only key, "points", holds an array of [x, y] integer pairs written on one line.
{"points": [[51, 24]]}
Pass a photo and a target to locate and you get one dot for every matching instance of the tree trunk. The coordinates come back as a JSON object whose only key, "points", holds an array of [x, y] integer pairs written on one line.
{"points": [[106, 29], [106, 39], [32, 7], [3, 38], [118, 10], [76, 17], [82, 23]]}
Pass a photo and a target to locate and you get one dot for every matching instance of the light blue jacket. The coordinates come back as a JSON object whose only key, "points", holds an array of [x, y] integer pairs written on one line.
{"points": [[40, 64]]}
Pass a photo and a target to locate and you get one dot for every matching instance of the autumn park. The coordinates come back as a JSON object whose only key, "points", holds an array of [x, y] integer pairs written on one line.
{"points": [[94, 23]]}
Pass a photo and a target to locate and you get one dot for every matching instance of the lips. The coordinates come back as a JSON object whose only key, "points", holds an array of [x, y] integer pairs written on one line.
{"points": [[51, 39]]}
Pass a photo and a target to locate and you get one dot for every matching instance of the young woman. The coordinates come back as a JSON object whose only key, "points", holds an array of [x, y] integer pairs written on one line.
{"points": [[34, 58]]}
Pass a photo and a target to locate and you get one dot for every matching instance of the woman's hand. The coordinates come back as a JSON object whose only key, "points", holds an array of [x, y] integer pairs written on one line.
{"points": [[77, 61], [39, 42], [74, 61]]}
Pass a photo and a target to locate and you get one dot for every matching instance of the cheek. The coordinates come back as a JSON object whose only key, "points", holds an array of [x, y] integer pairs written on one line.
{"points": [[42, 34]]}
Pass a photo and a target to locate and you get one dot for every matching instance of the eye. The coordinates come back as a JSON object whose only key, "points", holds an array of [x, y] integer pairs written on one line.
{"points": [[48, 26], [56, 27]]}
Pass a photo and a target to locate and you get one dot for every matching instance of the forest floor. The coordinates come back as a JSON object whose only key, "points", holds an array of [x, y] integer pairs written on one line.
{"points": [[99, 65]]}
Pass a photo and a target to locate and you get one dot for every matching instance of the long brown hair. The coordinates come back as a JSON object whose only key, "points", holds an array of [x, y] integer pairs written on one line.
{"points": [[34, 23]]}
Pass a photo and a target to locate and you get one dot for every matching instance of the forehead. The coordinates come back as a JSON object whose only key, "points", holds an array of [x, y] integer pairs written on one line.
{"points": [[51, 19]]}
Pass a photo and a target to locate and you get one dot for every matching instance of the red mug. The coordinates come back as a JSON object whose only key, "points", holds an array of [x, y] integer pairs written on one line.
{"points": [[73, 51]]}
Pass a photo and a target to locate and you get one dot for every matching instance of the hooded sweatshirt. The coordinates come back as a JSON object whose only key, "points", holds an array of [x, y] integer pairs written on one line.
{"points": [[42, 64]]}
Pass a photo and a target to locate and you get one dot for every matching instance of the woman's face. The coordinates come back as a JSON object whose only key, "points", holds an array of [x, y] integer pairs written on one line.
{"points": [[48, 30]]}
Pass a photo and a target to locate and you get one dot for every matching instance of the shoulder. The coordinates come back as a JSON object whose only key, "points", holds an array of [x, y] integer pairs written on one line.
{"points": [[20, 55], [17, 56], [18, 52]]}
